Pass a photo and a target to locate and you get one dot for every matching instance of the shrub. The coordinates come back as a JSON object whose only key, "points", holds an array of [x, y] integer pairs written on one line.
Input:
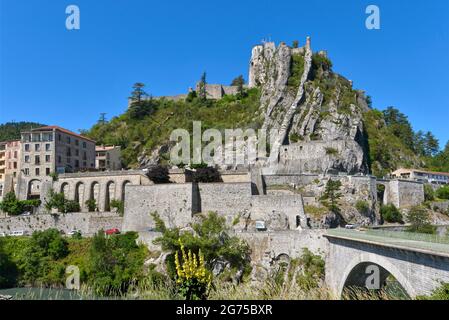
{"points": [[58, 201], [206, 175], [158, 174], [14, 207], [331, 195], [211, 237], [331, 151], [443, 192], [91, 205], [313, 270], [441, 293], [119, 205], [391, 214], [71, 206], [362, 207], [419, 220]]}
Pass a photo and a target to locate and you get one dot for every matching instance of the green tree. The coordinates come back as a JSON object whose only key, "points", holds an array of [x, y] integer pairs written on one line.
{"points": [[138, 93], [391, 214], [419, 220], [295, 44], [443, 192], [239, 82], [202, 93], [429, 194], [331, 195], [431, 144], [11, 204], [399, 125]]}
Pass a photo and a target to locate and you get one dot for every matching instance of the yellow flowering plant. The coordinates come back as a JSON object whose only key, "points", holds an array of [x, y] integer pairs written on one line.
{"points": [[192, 277]]}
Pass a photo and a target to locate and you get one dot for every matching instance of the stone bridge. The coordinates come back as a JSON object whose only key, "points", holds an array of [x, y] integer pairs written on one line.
{"points": [[418, 266]]}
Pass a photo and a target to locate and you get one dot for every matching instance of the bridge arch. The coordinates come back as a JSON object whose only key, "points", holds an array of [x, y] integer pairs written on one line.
{"points": [[79, 193], [65, 188], [109, 195], [370, 258]]}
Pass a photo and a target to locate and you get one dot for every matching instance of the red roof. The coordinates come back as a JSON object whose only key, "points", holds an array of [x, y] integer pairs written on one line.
{"points": [[62, 130]]}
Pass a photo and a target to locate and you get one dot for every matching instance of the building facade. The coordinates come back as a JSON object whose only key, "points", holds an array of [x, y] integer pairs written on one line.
{"points": [[53, 149], [108, 158], [422, 176], [2, 167]]}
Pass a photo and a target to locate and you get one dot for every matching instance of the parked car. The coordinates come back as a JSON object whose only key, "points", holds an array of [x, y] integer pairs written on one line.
{"points": [[112, 231], [73, 232], [2, 234], [19, 233], [350, 226], [26, 214]]}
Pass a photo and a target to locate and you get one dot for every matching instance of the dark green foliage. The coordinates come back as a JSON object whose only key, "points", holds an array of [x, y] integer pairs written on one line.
{"points": [[331, 151], [158, 174], [295, 44], [362, 207], [206, 175], [211, 237], [399, 125], [8, 270], [14, 207], [419, 219], [11, 130], [138, 93], [115, 263], [118, 205], [296, 71], [443, 192], [91, 205], [58, 201], [136, 136], [331, 195], [391, 214]]}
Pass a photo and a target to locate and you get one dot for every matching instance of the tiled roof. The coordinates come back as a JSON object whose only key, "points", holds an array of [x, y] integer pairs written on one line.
{"points": [[62, 130]]}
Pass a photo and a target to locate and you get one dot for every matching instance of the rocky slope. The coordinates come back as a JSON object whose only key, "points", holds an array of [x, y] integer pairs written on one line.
{"points": [[310, 106]]}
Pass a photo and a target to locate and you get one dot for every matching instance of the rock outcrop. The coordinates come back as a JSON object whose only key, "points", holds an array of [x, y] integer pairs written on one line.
{"points": [[307, 107]]}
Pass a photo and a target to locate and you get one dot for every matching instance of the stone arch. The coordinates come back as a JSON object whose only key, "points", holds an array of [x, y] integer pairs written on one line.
{"points": [[370, 258], [65, 188], [109, 195], [79, 193], [95, 192], [34, 189], [124, 184]]}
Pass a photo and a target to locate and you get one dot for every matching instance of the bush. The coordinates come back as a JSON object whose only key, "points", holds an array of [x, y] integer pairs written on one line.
{"points": [[206, 175], [211, 238], [91, 205], [119, 205], [58, 201], [391, 214], [14, 207], [71, 206], [115, 263], [158, 174], [313, 270], [362, 207], [419, 219], [443, 192]]}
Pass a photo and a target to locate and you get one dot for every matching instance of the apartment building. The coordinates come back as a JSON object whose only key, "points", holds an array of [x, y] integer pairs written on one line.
{"points": [[108, 158], [54, 149], [422, 176], [13, 151]]}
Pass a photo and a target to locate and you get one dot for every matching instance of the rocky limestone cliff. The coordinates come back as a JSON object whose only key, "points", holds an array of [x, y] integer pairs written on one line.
{"points": [[308, 105]]}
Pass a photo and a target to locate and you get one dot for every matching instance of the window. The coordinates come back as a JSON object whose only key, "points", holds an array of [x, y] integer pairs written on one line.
{"points": [[84, 164], [37, 159], [47, 158], [27, 147], [37, 147], [59, 137], [47, 147], [77, 163], [27, 159], [59, 159], [38, 172], [77, 142], [84, 155], [69, 152], [27, 171], [47, 171], [15, 154], [68, 140], [77, 152], [15, 165], [84, 144]]}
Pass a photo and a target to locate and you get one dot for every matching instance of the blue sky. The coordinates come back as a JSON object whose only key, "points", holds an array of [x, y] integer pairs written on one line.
{"points": [[51, 75]]}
